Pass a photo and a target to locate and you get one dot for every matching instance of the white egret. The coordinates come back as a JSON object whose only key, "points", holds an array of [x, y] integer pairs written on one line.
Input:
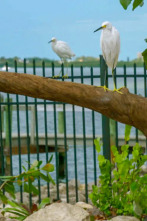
{"points": [[110, 46], [62, 49]]}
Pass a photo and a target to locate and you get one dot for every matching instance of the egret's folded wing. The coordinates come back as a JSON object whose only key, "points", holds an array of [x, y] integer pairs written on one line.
{"points": [[64, 49]]}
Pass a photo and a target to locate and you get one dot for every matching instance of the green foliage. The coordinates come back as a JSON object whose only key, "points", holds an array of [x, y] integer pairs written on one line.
{"points": [[127, 132], [21, 211], [126, 192], [25, 179], [144, 54], [136, 3]]}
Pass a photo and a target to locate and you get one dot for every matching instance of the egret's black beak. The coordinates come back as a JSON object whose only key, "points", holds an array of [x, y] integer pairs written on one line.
{"points": [[98, 29], [50, 41]]}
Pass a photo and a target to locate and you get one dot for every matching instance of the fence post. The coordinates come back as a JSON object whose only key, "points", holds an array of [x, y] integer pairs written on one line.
{"points": [[8, 120], [105, 120], [1, 137], [2, 113], [33, 125]]}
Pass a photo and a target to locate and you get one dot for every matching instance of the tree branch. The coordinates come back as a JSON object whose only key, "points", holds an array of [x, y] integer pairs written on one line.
{"points": [[126, 108]]}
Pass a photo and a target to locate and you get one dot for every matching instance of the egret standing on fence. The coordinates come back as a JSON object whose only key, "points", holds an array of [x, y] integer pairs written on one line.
{"points": [[110, 46], [62, 49]]}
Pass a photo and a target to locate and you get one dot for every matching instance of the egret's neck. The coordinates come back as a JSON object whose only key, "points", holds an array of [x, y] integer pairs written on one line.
{"points": [[107, 30]]}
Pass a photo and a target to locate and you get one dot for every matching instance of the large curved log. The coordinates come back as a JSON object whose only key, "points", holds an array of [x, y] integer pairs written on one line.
{"points": [[126, 108]]}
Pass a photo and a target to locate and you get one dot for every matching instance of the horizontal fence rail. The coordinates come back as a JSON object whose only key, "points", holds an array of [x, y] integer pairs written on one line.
{"points": [[33, 129]]}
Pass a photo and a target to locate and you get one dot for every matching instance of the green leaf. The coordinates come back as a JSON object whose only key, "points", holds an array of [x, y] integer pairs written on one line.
{"points": [[34, 190], [3, 198], [98, 144], [136, 3], [6, 178], [18, 217], [50, 159], [142, 3], [9, 188], [145, 40], [51, 179], [125, 148], [44, 202], [48, 167], [101, 159], [144, 54], [127, 132], [15, 211], [114, 150], [30, 188], [24, 168], [125, 3], [34, 173], [14, 204], [46, 178]]}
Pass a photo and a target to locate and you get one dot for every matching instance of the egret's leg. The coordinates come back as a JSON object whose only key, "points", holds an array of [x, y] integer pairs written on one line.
{"points": [[57, 76], [66, 75], [105, 88], [115, 89]]}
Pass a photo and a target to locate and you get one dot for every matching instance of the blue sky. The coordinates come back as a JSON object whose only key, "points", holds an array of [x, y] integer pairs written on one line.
{"points": [[27, 26]]}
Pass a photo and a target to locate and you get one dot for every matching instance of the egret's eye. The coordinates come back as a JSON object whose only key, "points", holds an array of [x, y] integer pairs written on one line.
{"points": [[104, 26]]}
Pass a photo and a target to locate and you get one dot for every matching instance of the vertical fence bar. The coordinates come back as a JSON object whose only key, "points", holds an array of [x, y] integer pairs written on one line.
{"points": [[2, 157], [125, 76], [115, 122], [37, 135], [113, 126], [56, 147], [105, 120], [93, 131], [65, 141], [74, 140], [18, 133], [135, 91], [45, 127], [27, 132], [9, 144], [84, 143]]}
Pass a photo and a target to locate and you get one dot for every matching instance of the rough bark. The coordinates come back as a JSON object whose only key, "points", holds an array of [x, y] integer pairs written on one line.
{"points": [[126, 108]]}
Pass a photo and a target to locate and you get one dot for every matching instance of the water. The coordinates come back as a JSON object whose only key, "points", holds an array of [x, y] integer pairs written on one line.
{"points": [[71, 165]]}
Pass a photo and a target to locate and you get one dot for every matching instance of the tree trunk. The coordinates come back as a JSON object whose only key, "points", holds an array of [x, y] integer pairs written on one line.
{"points": [[126, 108]]}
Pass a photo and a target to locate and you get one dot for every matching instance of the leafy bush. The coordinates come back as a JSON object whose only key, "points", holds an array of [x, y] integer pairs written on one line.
{"points": [[126, 192], [25, 179], [22, 211]]}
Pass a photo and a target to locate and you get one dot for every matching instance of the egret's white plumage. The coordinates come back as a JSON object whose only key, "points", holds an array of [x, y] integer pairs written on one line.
{"points": [[110, 46], [62, 49]]}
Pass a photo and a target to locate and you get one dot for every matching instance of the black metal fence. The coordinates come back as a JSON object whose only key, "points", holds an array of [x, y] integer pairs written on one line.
{"points": [[32, 128]]}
